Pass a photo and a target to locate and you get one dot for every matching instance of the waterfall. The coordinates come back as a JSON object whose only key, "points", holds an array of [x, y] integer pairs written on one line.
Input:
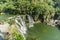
{"points": [[3, 30], [4, 27], [19, 22], [30, 21], [22, 27]]}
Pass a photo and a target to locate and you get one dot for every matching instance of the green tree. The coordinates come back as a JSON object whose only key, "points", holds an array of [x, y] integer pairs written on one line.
{"points": [[30, 7], [57, 9]]}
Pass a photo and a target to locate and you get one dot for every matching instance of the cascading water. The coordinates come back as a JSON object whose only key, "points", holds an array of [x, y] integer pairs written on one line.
{"points": [[22, 28], [20, 24], [3, 30], [4, 27], [30, 21]]}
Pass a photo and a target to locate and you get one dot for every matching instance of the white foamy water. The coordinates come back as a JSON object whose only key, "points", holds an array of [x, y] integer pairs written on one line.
{"points": [[22, 26], [4, 27], [30, 21]]}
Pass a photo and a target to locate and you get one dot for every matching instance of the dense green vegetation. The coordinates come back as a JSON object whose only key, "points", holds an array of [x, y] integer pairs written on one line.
{"points": [[43, 32], [35, 8], [57, 9], [42, 9]]}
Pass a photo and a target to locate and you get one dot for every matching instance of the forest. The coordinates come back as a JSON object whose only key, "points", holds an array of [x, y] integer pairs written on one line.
{"points": [[38, 9]]}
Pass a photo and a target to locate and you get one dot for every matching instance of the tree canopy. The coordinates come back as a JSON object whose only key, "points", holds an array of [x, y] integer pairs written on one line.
{"points": [[57, 9], [35, 8]]}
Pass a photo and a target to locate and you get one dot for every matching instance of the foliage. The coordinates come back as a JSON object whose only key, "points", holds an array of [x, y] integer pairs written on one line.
{"points": [[31, 7], [57, 8], [18, 35], [11, 22], [13, 32]]}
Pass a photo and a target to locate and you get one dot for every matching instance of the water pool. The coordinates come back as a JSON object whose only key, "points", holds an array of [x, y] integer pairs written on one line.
{"points": [[43, 32]]}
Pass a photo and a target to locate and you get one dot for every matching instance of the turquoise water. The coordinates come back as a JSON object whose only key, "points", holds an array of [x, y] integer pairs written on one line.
{"points": [[43, 32]]}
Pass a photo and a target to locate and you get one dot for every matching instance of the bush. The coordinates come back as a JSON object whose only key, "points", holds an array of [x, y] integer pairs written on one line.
{"points": [[13, 32], [31, 7]]}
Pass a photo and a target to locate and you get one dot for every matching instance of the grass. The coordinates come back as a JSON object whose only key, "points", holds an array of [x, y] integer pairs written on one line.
{"points": [[43, 32]]}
